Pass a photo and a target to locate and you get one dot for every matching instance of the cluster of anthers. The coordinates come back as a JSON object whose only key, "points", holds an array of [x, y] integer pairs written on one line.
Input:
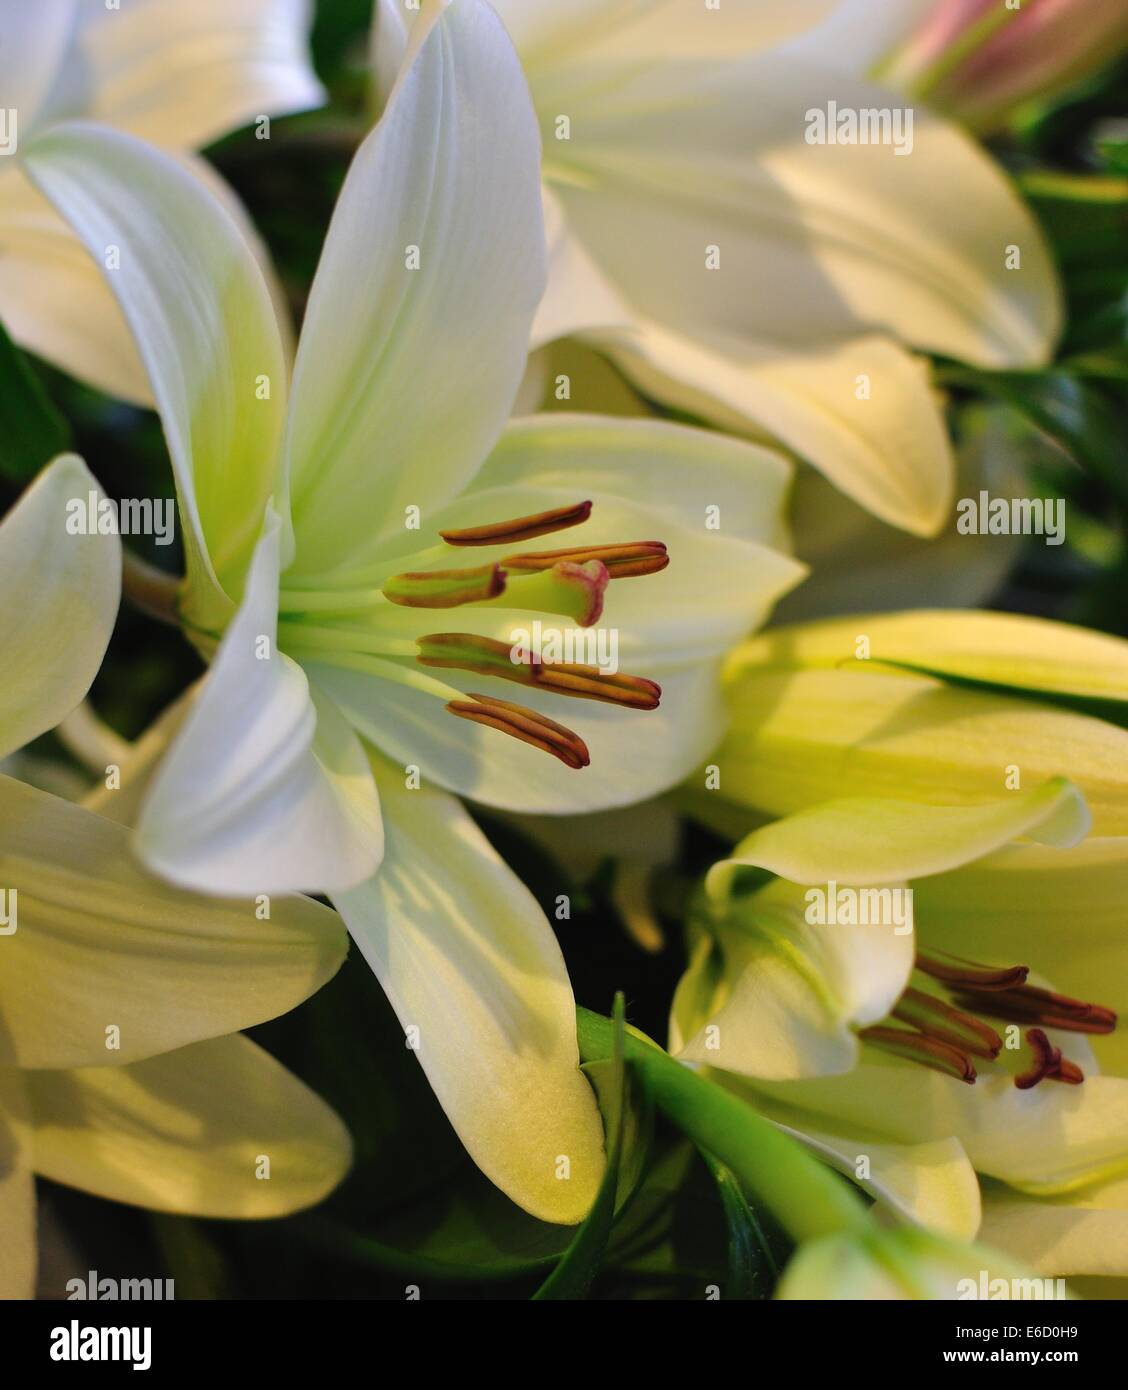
{"points": [[571, 581], [946, 1036]]}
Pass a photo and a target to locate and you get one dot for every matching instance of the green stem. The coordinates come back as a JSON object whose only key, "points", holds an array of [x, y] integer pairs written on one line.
{"points": [[807, 1198], [152, 590]]}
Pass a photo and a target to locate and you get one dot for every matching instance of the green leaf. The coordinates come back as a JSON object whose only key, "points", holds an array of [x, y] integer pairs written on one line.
{"points": [[32, 431], [752, 1268]]}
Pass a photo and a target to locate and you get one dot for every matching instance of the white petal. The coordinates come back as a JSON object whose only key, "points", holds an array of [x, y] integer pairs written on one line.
{"points": [[36, 40], [200, 311], [467, 957], [188, 1131], [1083, 1233], [817, 241], [100, 945], [405, 376], [58, 601], [181, 75], [265, 789]]}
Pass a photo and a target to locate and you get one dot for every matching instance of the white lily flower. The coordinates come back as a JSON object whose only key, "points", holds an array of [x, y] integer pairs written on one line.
{"points": [[734, 268], [412, 350], [121, 1069], [179, 75]]}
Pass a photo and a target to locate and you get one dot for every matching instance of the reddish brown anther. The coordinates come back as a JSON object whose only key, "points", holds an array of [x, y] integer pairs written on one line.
{"points": [[936, 1019], [968, 974], [526, 725], [520, 528], [1047, 1060], [1029, 1004], [916, 1047], [445, 588], [486, 656], [623, 561]]}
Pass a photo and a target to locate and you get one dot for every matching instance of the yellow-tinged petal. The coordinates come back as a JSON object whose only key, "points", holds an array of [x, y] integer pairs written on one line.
{"points": [[218, 1129], [469, 962], [108, 965], [18, 1253], [866, 840], [800, 737], [932, 1184], [59, 590], [1008, 650], [1084, 1232]]}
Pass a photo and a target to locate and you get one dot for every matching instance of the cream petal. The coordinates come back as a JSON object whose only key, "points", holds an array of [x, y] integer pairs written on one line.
{"points": [[17, 1190], [109, 965], [218, 1129], [474, 973], [59, 591], [180, 76]]}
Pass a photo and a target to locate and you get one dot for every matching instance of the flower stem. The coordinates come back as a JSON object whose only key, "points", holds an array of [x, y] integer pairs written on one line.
{"points": [[806, 1197]]}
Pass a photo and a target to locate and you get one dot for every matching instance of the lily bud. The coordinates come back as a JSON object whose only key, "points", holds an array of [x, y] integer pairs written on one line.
{"points": [[980, 60]]}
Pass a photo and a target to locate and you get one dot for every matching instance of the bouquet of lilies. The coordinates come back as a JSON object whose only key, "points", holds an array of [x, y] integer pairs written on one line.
{"points": [[564, 645]]}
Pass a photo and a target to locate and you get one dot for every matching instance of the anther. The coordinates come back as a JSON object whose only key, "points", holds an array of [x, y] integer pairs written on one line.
{"points": [[622, 561], [446, 588], [526, 725], [1029, 1004], [520, 528], [465, 651], [968, 974], [916, 1047], [939, 1020]]}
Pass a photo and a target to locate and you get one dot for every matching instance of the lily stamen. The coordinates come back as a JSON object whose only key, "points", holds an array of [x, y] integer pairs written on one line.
{"points": [[622, 561], [520, 528], [446, 588], [916, 1047], [1048, 1064], [465, 651], [936, 1019], [526, 725], [961, 974], [1030, 1004]]}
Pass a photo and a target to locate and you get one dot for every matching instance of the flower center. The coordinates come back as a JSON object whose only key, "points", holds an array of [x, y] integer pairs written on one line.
{"points": [[357, 627], [946, 1035]]}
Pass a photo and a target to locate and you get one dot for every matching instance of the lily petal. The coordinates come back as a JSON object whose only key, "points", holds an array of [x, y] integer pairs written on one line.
{"points": [[1085, 1232], [1010, 651], [36, 39], [200, 311], [189, 1131], [180, 76], [406, 371], [99, 946], [886, 446], [58, 601], [17, 1190], [933, 1185], [818, 241], [866, 840], [800, 737], [790, 993], [467, 958], [265, 788]]}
